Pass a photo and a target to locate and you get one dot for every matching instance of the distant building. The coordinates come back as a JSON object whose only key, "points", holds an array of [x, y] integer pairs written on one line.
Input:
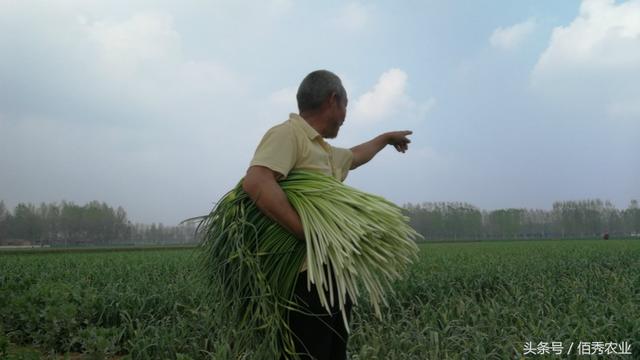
{"points": [[15, 242]]}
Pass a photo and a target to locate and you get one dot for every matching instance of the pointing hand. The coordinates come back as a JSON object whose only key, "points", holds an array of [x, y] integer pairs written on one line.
{"points": [[399, 139]]}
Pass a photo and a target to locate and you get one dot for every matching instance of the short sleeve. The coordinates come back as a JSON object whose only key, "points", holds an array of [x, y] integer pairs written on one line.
{"points": [[342, 159], [277, 150]]}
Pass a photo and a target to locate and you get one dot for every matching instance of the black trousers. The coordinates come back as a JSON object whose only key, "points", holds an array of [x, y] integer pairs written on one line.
{"points": [[317, 334]]}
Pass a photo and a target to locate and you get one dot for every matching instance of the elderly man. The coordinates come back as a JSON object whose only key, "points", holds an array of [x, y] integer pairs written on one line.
{"points": [[298, 143]]}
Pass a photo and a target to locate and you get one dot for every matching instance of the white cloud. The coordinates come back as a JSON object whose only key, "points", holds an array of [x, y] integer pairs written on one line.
{"points": [[143, 56], [284, 97], [353, 16], [387, 98], [510, 37], [595, 60], [278, 105], [604, 35], [142, 39]]}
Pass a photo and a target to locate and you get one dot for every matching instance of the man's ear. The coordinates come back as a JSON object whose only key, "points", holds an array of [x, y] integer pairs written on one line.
{"points": [[330, 101], [334, 99]]}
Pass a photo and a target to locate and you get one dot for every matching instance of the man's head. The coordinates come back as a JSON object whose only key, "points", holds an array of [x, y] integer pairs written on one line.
{"points": [[322, 96]]}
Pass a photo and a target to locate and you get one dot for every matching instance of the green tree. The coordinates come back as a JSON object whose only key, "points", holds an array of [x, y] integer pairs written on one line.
{"points": [[26, 224], [5, 218], [631, 218]]}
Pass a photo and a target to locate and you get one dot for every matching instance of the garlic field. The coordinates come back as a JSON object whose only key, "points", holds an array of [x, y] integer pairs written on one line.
{"points": [[488, 300]]}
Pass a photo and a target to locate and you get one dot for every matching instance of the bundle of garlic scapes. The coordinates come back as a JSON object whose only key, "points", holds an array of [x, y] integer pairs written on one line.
{"points": [[252, 263]]}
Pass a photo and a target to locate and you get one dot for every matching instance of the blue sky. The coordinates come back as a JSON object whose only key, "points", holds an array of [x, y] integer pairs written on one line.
{"points": [[158, 105]]}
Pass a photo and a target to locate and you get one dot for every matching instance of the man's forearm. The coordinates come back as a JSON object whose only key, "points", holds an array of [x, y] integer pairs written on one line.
{"points": [[272, 201], [366, 151]]}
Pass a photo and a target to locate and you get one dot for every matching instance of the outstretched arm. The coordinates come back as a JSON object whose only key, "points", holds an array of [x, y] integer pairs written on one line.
{"points": [[261, 185], [366, 151]]}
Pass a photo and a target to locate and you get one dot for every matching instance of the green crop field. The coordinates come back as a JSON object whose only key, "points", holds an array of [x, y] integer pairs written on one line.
{"points": [[493, 300]]}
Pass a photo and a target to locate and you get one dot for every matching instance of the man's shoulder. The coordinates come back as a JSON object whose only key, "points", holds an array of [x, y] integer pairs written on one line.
{"points": [[283, 125], [285, 128]]}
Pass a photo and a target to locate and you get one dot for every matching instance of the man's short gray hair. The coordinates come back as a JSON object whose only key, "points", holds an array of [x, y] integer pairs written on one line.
{"points": [[316, 87]]}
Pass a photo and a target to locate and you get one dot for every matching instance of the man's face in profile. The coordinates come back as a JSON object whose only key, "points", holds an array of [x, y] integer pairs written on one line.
{"points": [[339, 113]]}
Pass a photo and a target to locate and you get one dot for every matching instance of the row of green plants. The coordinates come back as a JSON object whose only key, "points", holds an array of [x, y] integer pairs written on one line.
{"points": [[458, 301]]}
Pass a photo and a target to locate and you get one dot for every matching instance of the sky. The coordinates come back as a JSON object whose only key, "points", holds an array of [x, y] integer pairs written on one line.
{"points": [[158, 106]]}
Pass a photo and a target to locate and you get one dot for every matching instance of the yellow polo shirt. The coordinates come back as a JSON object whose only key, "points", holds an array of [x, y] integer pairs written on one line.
{"points": [[294, 144]]}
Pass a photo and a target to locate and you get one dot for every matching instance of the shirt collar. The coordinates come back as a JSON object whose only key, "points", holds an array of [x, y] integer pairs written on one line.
{"points": [[308, 129]]}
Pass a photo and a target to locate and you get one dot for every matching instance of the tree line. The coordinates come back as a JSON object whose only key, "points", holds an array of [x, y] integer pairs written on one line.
{"points": [[95, 223], [591, 218]]}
